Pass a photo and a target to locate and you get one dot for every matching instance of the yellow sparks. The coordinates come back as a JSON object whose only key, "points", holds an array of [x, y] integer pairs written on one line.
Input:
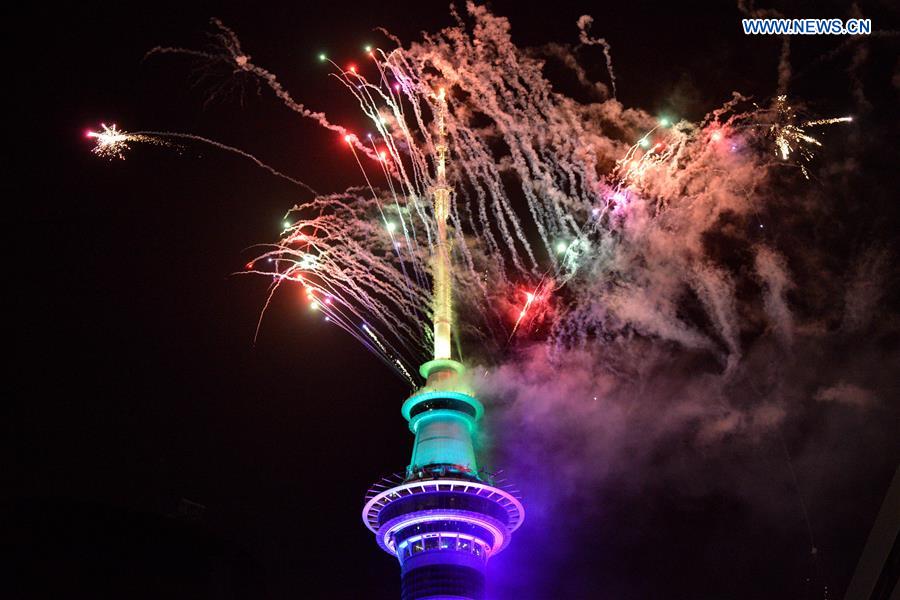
{"points": [[790, 138], [112, 142]]}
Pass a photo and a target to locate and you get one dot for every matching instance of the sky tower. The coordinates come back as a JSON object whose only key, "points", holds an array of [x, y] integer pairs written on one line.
{"points": [[443, 518]]}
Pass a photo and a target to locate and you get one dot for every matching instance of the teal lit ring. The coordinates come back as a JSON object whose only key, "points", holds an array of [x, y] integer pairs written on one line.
{"points": [[441, 363], [424, 396], [442, 413]]}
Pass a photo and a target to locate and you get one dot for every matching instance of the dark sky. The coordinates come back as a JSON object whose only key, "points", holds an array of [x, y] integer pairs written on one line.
{"points": [[135, 381]]}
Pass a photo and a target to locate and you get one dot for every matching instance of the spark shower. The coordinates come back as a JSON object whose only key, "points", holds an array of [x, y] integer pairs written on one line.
{"points": [[572, 223]]}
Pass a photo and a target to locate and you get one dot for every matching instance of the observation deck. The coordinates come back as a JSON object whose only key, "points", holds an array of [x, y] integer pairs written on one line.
{"points": [[443, 518]]}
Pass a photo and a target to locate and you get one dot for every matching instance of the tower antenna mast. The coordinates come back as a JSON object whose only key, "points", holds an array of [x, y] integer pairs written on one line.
{"points": [[442, 301]]}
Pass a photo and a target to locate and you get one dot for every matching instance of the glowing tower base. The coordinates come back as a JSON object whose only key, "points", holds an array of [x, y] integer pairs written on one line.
{"points": [[442, 519]]}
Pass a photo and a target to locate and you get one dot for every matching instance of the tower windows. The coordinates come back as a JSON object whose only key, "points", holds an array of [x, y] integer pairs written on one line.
{"points": [[445, 541]]}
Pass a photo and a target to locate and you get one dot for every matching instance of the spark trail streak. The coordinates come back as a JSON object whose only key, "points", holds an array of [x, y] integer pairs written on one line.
{"points": [[113, 143]]}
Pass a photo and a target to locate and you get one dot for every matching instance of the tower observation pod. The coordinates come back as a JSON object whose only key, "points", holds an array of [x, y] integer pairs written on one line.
{"points": [[443, 518]]}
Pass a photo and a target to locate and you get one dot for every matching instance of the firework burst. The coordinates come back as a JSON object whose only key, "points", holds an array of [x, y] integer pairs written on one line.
{"points": [[791, 138], [548, 208], [112, 142]]}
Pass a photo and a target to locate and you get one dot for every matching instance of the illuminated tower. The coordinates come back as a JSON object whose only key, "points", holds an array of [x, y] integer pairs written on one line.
{"points": [[442, 518]]}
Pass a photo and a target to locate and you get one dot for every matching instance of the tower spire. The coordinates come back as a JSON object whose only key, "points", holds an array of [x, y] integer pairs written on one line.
{"points": [[444, 518], [442, 301]]}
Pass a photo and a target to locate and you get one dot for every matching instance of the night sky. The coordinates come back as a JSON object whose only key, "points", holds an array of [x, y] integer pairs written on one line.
{"points": [[158, 452]]}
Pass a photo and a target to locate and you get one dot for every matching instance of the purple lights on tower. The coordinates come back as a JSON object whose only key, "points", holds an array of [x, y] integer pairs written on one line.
{"points": [[443, 519]]}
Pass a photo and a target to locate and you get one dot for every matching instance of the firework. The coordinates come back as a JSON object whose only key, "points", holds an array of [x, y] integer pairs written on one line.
{"points": [[538, 190], [793, 139], [111, 142]]}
